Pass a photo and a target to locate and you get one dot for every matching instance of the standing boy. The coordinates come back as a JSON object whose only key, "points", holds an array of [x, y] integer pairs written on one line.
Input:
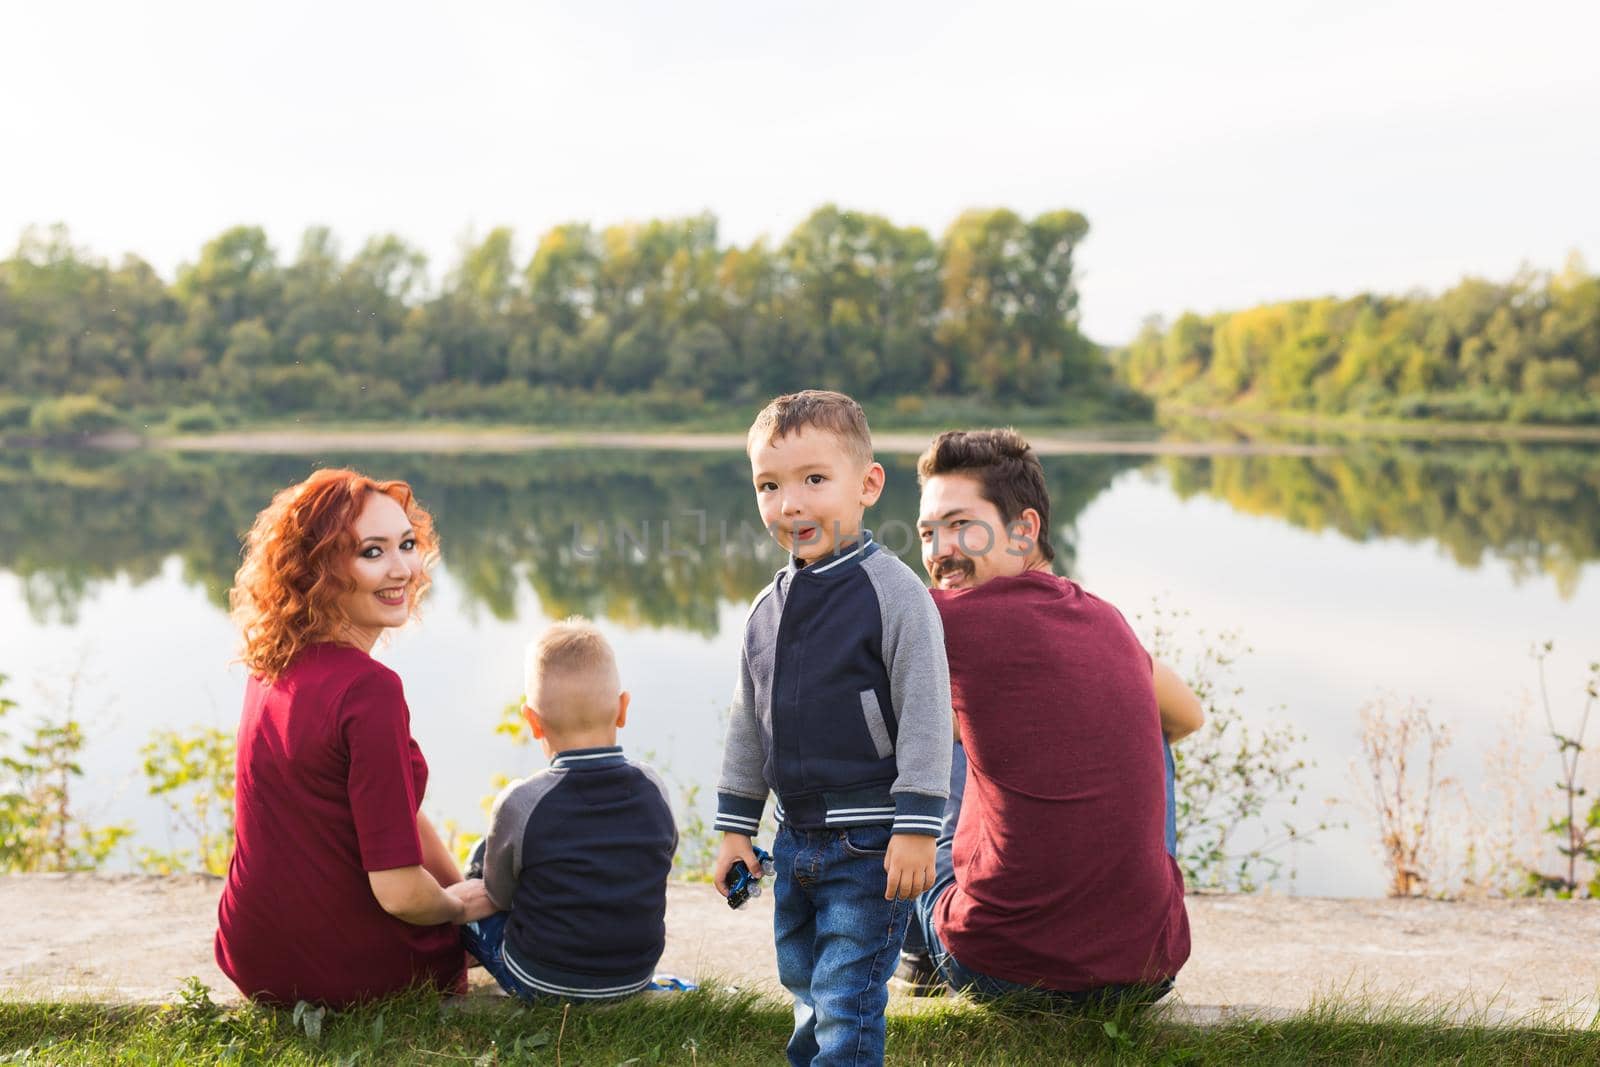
{"points": [[843, 710]]}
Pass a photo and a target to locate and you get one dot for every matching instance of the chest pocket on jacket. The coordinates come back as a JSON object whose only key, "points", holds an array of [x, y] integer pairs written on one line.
{"points": [[877, 728]]}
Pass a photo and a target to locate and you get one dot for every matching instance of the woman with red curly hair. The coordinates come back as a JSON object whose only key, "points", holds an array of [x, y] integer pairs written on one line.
{"points": [[339, 889]]}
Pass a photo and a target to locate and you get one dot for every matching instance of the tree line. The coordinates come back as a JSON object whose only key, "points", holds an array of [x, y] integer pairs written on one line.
{"points": [[662, 314], [1525, 350]]}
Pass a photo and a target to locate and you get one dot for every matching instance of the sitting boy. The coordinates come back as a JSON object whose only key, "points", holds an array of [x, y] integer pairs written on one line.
{"points": [[842, 709], [577, 855]]}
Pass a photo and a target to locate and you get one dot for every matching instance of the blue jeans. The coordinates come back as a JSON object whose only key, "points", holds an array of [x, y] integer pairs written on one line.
{"points": [[838, 941], [985, 987], [485, 940]]}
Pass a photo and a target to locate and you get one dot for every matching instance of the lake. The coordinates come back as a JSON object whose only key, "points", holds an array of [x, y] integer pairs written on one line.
{"points": [[1369, 571]]}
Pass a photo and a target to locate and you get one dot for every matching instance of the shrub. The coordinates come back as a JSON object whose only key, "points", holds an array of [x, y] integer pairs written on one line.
{"points": [[14, 412], [73, 416], [1235, 774], [1456, 407], [515, 401], [38, 828], [193, 773], [1576, 831], [198, 418], [294, 388]]}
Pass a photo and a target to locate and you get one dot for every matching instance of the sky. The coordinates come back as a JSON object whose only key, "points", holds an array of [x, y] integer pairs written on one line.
{"points": [[1225, 154]]}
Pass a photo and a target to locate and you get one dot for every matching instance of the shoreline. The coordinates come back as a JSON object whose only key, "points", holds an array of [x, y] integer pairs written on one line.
{"points": [[133, 939], [1169, 436], [1397, 429], [507, 440]]}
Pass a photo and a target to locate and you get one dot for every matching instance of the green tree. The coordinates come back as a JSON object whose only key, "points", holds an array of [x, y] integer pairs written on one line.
{"points": [[1527, 350], [1009, 318], [872, 290], [237, 278]]}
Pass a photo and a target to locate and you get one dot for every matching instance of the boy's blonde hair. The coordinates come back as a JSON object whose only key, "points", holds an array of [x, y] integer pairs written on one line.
{"points": [[571, 677], [820, 409]]}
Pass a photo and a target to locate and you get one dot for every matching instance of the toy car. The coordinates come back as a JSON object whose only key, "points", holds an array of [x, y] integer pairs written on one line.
{"points": [[742, 885]]}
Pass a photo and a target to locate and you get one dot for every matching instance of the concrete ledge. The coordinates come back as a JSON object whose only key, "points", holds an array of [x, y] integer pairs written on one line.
{"points": [[133, 938]]}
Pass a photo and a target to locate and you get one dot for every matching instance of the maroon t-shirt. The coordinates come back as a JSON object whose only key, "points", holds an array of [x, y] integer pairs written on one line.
{"points": [[328, 784], [1062, 873]]}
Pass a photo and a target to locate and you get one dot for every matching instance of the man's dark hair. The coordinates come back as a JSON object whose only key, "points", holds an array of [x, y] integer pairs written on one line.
{"points": [[1008, 473]]}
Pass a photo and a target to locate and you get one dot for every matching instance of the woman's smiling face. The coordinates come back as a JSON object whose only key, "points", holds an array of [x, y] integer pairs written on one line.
{"points": [[385, 571]]}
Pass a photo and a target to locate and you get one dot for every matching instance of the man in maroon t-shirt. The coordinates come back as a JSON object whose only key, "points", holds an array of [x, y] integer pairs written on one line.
{"points": [[1061, 877]]}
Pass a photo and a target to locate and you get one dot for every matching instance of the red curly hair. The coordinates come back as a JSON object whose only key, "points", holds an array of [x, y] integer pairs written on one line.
{"points": [[296, 565]]}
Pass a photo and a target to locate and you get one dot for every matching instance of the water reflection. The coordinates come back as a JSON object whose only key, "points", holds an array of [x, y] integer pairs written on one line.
{"points": [[1535, 508], [650, 539], [662, 539]]}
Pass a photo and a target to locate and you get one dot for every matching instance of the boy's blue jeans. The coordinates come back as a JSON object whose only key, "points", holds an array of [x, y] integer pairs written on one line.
{"points": [[838, 941], [484, 939]]}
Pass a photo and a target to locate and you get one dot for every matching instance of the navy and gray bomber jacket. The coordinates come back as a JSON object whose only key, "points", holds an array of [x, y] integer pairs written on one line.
{"points": [[579, 854], [843, 703]]}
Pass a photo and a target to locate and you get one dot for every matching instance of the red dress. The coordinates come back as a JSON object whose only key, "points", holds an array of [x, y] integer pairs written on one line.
{"points": [[328, 785]]}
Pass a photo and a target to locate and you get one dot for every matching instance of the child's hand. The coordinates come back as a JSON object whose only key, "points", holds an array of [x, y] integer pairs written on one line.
{"points": [[733, 847], [909, 863], [474, 898]]}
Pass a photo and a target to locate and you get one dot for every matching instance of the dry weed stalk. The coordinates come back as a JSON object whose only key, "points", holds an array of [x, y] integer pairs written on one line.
{"points": [[1502, 834], [1401, 745]]}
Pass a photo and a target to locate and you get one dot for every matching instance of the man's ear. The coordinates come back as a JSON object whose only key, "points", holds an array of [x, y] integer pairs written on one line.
{"points": [[1023, 531], [535, 723], [872, 485], [1032, 523], [623, 699]]}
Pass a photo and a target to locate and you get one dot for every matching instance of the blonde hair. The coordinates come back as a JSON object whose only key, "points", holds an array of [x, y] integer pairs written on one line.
{"points": [[819, 409], [571, 676]]}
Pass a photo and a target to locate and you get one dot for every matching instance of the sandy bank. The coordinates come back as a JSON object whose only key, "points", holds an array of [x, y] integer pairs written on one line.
{"points": [[135, 937]]}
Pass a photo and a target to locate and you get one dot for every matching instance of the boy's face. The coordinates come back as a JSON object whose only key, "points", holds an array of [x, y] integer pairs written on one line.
{"points": [[811, 491], [964, 540]]}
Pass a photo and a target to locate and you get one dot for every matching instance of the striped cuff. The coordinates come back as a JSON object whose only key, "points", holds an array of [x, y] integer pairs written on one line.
{"points": [[573, 987], [739, 815], [917, 814]]}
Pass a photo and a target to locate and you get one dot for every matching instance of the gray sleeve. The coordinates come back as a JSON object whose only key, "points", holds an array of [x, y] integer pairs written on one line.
{"points": [[919, 678], [742, 787], [503, 856], [743, 755], [666, 797]]}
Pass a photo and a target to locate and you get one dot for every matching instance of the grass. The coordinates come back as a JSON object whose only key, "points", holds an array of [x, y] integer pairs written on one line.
{"points": [[734, 1028]]}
